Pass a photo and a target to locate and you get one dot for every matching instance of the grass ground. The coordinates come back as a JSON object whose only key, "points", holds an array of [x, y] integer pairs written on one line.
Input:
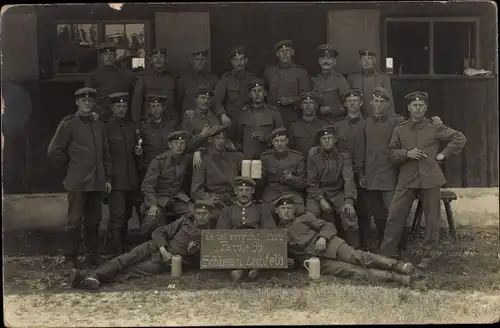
{"points": [[463, 286]]}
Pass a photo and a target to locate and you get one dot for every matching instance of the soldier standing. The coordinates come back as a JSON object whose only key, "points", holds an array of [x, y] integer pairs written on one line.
{"points": [[80, 144], [109, 79], [231, 92], [286, 81], [303, 132], [414, 145], [329, 85], [331, 186], [244, 214], [283, 171], [368, 78], [121, 133], [158, 81], [181, 237]]}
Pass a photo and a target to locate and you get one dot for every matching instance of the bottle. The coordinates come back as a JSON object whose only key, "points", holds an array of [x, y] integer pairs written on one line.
{"points": [[246, 168], [256, 169], [313, 267], [176, 267]]}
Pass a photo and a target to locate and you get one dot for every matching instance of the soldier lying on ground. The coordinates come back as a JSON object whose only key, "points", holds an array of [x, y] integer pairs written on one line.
{"points": [[181, 237], [309, 236]]}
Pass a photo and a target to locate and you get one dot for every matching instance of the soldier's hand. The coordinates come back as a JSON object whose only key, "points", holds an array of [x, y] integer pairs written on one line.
{"points": [[362, 183], [245, 107], [153, 211], [193, 246], [138, 150], [259, 136], [436, 120], [94, 116], [313, 150], [290, 262], [287, 175], [325, 110], [226, 121], [416, 153], [325, 206], [321, 244], [107, 188], [348, 209], [206, 130], [440, 157], [285, 101], [230, 146], [197, 162], [166, 255], [189, 114]]}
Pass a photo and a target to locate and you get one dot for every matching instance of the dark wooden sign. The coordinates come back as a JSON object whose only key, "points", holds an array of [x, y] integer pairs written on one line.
{"points": [[244, 249]]}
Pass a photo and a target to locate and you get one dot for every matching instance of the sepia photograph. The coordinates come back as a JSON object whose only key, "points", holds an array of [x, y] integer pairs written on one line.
{"points": [[250, 163]]}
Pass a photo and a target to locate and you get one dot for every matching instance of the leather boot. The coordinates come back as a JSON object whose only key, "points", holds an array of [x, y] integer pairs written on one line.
{"points": [[352, 238], [92, 256], [387, 263], [383, 275], [116, 237]]}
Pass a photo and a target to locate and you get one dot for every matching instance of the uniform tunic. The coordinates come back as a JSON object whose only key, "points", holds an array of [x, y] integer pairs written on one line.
{"points": [[264, 119], [188, 84], [231, 92], [197, 123], [158, 83], [367, 81], [331, 87], [81, 145], [303, 134], [252, 216], [155, 138], [106, 81]]}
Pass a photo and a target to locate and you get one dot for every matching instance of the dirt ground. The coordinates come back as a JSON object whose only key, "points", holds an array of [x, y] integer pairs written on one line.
{"points": [[464, 286]]}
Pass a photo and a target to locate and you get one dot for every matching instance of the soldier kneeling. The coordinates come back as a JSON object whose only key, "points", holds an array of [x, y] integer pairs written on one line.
{"points": [[310, 236]]}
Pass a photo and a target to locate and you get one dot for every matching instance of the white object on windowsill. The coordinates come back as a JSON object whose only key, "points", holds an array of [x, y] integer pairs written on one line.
{"points": [[138, 62], [475, 72]]}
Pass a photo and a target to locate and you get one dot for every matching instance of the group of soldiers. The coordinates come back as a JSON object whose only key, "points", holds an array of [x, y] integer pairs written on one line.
{"points": [[333, 152]]}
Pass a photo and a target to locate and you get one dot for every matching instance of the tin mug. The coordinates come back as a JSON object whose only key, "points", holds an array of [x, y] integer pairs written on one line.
{"points": [[312, 266]]}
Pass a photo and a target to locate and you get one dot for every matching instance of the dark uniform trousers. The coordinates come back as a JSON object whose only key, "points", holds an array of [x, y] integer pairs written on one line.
{"points": [[364, 220], [83, 207], [121, 205], [174, 209], [379, 202]]}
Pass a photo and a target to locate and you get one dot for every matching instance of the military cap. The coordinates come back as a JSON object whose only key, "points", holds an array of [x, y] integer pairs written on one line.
{"points": [[381, 93], [308, 95], [178, 135], [353, 93], [325, 130], [159, 51], [153, 98], [278, 132], [203, 52], [118, 97], [205, 204], [283, 44], [366, 52], [204, 90], [255, 83], [284, 200], [86, 93], [107, 47], [244, 181], [236, 51], [417, 95], [327, 49]]}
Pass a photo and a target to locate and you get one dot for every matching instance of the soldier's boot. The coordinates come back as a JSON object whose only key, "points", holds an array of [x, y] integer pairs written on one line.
{"points": [[352, 238], [76, 278], [387, 263], [236, 275], [92, 256], [69, 262], [117, 238], [72, 243], [425, 263], [383, 275], [253, 274]]}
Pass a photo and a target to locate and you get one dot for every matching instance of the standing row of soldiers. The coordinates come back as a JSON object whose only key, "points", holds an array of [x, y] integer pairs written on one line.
{"points": [[335, 157]]}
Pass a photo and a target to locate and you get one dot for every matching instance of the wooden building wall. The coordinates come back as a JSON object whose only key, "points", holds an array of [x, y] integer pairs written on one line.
{"points": [[467, 104]]}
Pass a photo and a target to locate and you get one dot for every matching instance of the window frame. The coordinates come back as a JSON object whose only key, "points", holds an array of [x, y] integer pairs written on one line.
{"points": [[431, 21], [101, 34]]}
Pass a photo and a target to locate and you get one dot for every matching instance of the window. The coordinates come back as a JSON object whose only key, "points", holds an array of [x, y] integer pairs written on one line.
{"points": [[432, 45], [76, 45]]}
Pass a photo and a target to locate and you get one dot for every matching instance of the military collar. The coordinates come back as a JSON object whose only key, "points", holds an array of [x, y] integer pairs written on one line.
{"points": [[258, 108], [368, 72], [334, 151], [203, 114], [163, 71], [110, 68], [314, 120], [418, 125], [213, 151], [85, 118], [355, 119], [327, 73], [280, 155], [244, 205], [283, 66], [285, 224], [381, 118], [239, 74]]}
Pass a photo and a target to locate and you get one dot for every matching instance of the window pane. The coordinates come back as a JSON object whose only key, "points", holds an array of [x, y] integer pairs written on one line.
{"points": [[130, 40], [115, 33], [454, 47], [76, 48], [408, 45]]}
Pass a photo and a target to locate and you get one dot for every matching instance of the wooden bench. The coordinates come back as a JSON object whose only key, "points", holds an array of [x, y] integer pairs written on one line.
{"points": [[447, 197]]}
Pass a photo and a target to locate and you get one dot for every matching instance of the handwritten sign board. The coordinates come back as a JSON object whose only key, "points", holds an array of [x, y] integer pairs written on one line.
{"points": [[244, 249]]}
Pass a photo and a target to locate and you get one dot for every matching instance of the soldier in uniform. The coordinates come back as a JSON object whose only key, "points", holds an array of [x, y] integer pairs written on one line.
{"points": [[163, 184], [189, 83], [256, 122], [109, 79], [309, 236], [158, 81], [121, 137], [80, 145], [286, 81], [415, 146], [231, 92], [329, 85], [181, 237], [244, 214], [303, 132], [331, 186], [368, 78], [283, 171], [215, 180]]}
